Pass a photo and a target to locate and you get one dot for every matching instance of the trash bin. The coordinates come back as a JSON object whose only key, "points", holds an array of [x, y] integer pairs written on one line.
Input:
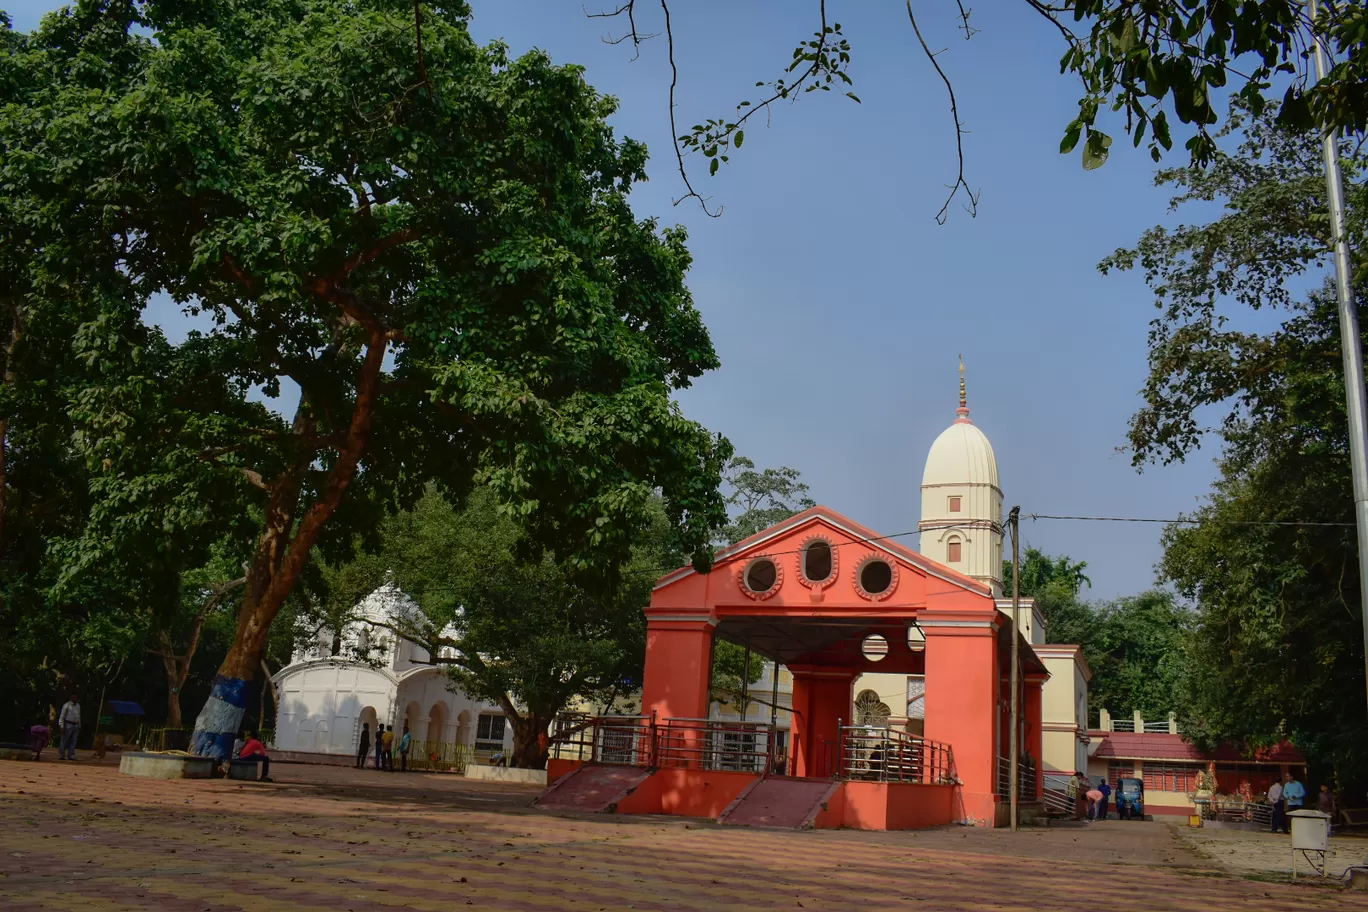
{"points": [[1310, 831]]}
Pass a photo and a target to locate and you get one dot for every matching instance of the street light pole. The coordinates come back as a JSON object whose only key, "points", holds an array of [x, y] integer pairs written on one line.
{"points": [[1014, 522], [1351, 339]]}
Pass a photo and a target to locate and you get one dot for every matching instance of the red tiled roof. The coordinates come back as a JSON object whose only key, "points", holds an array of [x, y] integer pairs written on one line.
{"points": [[1163, 746]]}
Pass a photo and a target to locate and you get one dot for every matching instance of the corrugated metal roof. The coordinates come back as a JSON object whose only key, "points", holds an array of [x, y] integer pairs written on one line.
{"points": [[1163, 746]]}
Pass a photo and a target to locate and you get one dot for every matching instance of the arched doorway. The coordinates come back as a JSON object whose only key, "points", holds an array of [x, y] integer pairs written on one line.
{"points": [[463, 727], [412, 713], [370, 718], [436, 727]]}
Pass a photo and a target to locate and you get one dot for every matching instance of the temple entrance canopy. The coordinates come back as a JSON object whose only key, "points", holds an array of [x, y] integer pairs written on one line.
{"points": [[831, 600]]}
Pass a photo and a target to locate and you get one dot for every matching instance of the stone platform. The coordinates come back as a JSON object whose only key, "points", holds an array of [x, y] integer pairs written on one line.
{"points": [[166, 766]]}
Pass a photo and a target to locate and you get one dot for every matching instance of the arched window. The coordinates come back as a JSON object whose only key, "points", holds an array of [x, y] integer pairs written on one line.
{"points": [[952, 551]]}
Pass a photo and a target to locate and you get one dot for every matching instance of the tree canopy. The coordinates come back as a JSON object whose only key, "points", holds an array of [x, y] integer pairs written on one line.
{"points": [[1270, 559], [426, 240]]}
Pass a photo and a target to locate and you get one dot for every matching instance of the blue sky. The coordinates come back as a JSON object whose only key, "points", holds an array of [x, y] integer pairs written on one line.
{"points": [[837, 303]]}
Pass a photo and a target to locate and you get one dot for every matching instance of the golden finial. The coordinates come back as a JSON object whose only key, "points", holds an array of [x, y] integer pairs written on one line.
{"points": [[964, 399]]}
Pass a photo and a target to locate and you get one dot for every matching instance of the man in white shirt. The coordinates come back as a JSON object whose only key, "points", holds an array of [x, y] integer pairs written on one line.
{"points": [[1275, 798], [69, 722]]}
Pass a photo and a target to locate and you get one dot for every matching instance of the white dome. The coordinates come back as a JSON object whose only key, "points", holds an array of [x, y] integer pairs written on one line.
{"points": [[961, 455]]}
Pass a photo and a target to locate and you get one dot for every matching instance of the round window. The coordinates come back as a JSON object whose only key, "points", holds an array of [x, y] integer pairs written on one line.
{"points": [[817, 562], [761, 575], [876, 576], [874, 647]]}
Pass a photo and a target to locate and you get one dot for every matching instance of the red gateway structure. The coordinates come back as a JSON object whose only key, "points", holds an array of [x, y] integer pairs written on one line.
{"points": [[831, 600]]}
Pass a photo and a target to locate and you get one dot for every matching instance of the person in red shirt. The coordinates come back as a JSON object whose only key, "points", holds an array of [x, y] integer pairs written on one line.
{"points": [[254, 748]]}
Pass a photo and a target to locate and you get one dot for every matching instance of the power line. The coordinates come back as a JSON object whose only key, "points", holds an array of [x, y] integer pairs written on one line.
{"points": [[1195, 522]]}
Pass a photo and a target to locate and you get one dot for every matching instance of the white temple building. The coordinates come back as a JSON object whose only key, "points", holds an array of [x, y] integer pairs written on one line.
{"points": [[377, 677]]}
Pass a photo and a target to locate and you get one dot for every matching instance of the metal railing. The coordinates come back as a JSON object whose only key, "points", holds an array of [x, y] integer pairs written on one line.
{"points": [[1156, 727], [616, 740], [1125, 725], [1026, 778], [715, 744], [1055, 793], [889, 755]]}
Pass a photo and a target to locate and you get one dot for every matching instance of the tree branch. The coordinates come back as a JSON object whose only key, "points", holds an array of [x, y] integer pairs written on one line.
{"points": [[960, 182]]}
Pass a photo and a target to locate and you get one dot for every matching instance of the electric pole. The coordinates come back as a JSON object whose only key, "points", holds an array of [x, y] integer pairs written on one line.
{"points": [[1014, 750], [1351, 339]]}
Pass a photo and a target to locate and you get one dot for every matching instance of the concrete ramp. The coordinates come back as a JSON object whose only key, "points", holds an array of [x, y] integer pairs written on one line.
{"points": [[593, 788], [778, 801]]}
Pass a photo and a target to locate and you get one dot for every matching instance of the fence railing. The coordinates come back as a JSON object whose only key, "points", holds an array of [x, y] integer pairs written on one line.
{"points": [[1156, 727], [617, 740], [435, 756], [1124, 725], [715, 744], [1026, 778], [889, 755]]}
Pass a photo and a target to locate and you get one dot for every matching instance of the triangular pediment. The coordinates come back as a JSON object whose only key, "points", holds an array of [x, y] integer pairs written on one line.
{"points": [[852, 546]]}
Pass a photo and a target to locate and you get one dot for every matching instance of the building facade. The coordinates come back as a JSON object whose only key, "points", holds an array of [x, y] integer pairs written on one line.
{"points": [[365, 674]]}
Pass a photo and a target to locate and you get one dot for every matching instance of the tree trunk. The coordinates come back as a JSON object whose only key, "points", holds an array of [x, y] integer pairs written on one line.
{"points": [[529, 741], [282, 552]]}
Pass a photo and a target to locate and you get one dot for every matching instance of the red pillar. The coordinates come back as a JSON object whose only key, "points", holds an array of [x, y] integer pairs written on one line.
{"points": [[821, 702], [1035, 731], [676, 680], [962, 690]]}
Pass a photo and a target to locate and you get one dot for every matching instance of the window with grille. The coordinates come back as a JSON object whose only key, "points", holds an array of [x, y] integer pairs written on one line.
{"points": [[1171, 777], [489, 732], [1120, 769]]}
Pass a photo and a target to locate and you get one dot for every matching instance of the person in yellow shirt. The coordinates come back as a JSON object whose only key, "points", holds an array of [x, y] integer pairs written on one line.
{"points": [[388, 751]]}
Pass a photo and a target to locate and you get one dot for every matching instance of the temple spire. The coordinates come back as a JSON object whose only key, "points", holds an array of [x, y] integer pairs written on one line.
{"points": [[963, 410]]}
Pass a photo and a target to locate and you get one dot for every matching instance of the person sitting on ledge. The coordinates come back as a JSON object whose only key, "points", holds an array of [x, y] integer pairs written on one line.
{"points": [[255, 750]]}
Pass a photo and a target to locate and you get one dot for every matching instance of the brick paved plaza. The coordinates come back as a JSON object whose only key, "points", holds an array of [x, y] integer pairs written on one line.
{"points": [[81, 837]]}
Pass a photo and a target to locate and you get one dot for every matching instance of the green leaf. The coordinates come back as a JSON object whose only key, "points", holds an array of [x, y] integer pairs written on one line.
{"points": [[712, 169], [1095, 150], [740, 138]]}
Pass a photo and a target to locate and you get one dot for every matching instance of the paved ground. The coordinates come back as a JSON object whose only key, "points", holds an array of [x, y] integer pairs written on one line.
{"points": [[1245, 852], [82, 837]]}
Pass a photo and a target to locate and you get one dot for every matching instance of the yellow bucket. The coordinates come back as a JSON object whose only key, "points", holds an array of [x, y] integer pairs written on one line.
{"points": [[1194, 820]]}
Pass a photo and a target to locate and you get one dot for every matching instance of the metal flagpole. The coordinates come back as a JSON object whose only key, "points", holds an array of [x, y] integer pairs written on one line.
{"points": [[1014, 520], [1351, 340]]}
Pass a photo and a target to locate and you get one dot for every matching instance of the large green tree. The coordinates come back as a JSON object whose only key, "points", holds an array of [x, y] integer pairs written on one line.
{"points": [[1135, 645], [1270, 559], [426, 240]]}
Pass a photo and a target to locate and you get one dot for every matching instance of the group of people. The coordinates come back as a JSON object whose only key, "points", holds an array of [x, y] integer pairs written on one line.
{"points": [[1290, 795], [1098, 797], [384, 747], [66, 728]]}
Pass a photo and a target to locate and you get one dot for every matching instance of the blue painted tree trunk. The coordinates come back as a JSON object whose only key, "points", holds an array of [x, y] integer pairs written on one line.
{"points": [[220, 721]]}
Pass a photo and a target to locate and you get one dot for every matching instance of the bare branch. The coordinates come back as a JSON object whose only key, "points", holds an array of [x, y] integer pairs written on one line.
{"points": [[964, 20], [628, 8], [960, 182], [418, 31]]}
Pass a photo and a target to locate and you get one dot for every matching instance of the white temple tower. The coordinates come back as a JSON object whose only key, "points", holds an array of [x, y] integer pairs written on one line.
{"points": [[961, 511]]}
